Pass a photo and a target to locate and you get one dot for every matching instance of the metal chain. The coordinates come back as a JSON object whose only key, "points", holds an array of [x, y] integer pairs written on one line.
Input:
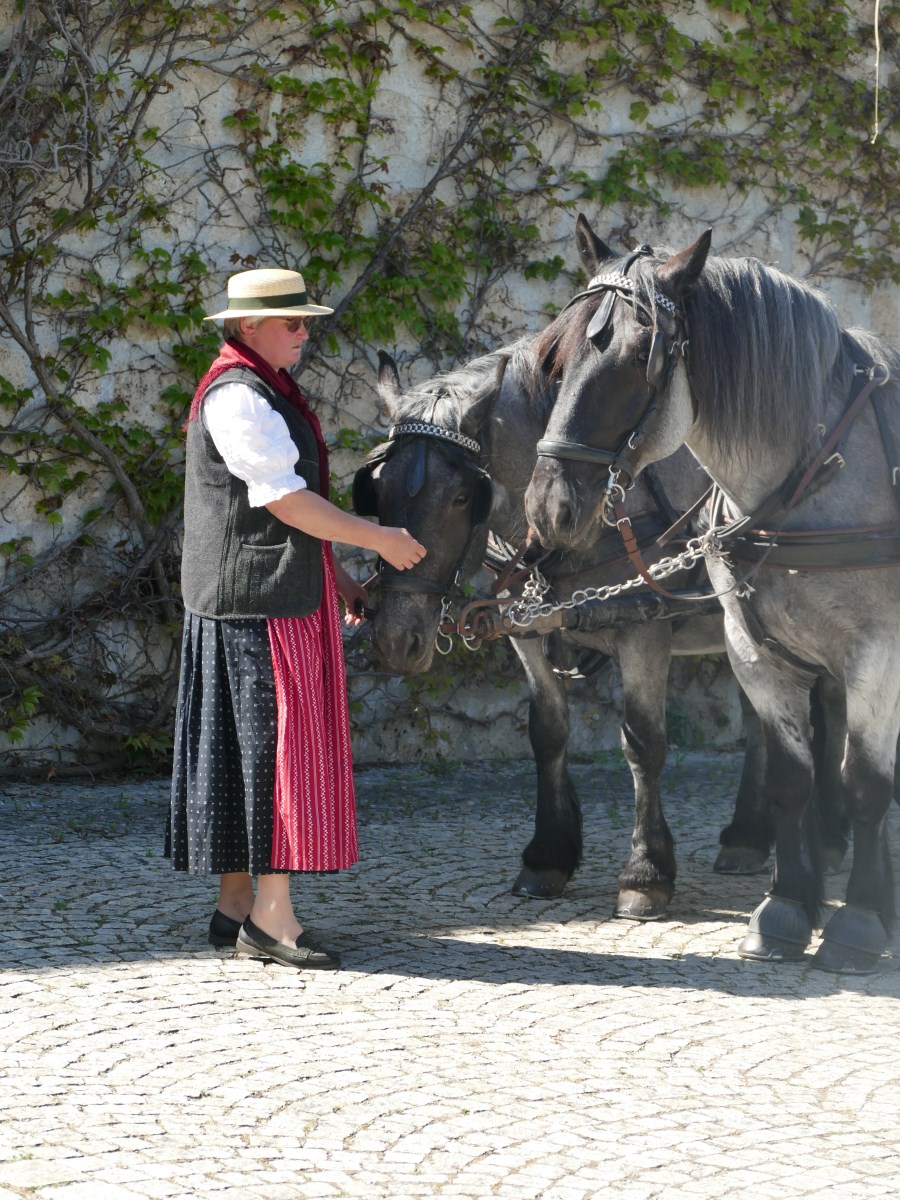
{"points": [[530, 607]]}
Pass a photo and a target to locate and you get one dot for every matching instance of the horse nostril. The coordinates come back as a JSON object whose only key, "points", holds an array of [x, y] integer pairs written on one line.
{"points": [[414, 647], [564, 515]]}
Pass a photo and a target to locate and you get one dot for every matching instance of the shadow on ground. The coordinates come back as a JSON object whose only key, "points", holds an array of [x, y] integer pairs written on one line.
{"points": [[83, 881]]}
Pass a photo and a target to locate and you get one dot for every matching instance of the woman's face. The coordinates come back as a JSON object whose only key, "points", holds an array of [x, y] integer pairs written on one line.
{"points": [[273, 340]]}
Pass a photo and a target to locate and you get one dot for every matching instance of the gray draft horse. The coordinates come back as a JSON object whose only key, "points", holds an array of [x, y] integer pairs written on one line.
{"points": [[796, 420], [460, 456]]}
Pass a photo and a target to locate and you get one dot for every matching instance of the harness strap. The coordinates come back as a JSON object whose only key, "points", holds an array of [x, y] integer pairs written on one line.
{"points": [[822, 549], [645, 528], [785, 499], [414, 583], [685, 518], [508, 576], [759, 637], [851, 412], [581, 453], [633, 552], [890, 446]]}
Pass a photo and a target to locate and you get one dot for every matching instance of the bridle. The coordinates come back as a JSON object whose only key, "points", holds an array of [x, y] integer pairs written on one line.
{"points": [[664, 351], [743, 538], [365, 505]]}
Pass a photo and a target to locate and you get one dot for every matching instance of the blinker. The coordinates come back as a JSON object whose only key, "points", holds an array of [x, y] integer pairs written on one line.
{"points": [[601, 317], [416, 477], [364, 499], [656, 363]]}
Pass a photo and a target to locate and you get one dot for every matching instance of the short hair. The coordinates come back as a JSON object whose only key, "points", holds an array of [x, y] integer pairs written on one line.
{"points": [[232, 325]]}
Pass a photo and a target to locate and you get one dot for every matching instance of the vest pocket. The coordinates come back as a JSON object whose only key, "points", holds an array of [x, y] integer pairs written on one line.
{"points": [[261, 567]]}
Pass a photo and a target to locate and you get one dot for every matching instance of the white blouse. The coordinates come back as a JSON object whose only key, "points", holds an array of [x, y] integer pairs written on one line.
{"points": [[254, 441]]}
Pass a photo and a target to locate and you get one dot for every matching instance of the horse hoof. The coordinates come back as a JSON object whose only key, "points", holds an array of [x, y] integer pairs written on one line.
{"points": [[853, 941], [651, 905], [541, 885], [740, 860], [779, 931]]}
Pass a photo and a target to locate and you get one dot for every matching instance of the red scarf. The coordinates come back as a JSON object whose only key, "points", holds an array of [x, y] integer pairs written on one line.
{"points": [[236, 354]]}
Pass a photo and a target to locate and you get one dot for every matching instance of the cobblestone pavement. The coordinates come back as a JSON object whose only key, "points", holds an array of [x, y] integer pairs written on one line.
{"points": [[474, 1045]]}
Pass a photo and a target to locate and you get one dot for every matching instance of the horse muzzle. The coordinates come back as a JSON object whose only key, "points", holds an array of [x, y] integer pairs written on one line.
{"points": [[563, 509]]}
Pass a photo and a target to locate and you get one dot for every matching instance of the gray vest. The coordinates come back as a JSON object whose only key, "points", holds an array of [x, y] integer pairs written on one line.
{"points": [[239, 561]]}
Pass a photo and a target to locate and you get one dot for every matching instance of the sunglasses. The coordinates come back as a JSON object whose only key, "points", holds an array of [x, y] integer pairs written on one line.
{"points": [[295, 323]]}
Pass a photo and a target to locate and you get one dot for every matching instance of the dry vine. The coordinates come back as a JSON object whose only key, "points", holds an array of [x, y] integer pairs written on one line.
{"points": [[149, 147]]}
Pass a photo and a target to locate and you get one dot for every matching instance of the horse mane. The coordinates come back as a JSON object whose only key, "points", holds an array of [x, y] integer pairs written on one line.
{"points": [[766, 351], [562, 341], [765, 354], [447, 397]]}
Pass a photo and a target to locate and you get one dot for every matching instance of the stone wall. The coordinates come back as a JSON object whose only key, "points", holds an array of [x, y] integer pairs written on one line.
{"points": [[206, 201]]}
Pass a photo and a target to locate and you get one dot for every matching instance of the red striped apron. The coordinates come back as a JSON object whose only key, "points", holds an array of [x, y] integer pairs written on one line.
{"points": [[315, 809]]}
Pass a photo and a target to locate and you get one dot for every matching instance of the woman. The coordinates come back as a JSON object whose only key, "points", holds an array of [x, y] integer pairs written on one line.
{"points": [[262, 782]]}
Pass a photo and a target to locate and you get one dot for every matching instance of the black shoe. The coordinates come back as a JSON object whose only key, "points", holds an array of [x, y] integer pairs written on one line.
{"points": [[223, 930], [305, 954]]}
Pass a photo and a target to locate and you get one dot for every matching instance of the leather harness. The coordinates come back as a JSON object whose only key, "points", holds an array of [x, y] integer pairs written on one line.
{"points": [[748, 539]]}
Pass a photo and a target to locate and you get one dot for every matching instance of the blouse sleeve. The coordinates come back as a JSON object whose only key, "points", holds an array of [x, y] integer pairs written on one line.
{"points": [[254, 441]]}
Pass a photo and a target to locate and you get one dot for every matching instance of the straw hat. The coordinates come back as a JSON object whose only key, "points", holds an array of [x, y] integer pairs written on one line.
{"points": [[269, 292]]}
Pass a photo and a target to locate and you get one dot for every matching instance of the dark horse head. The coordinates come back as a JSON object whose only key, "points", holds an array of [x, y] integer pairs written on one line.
{"points": [[621, 338], [428, 478]]}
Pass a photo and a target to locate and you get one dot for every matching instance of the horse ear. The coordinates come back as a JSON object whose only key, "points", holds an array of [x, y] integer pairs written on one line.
{"points": [[591, 250], [481, 401], [678, 275], [389, 389]]}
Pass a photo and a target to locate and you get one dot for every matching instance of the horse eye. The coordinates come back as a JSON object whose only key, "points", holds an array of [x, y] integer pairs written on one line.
{"points": [[642, 348], [461, 498], [602, 338]]}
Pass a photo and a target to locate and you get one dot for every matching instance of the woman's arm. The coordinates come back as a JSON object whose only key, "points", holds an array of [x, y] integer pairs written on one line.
{"points": [[322, 519]]}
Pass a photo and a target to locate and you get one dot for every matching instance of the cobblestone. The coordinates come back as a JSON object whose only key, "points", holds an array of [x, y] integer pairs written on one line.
{"points": [[475, 1044]]}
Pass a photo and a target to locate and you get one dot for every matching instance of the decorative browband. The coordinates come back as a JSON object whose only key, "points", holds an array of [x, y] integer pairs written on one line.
{"points": [[405, 428], [621, 283]]}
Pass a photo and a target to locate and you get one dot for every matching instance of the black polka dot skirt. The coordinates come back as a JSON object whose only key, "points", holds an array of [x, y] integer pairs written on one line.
{"points": [[226, 731]]}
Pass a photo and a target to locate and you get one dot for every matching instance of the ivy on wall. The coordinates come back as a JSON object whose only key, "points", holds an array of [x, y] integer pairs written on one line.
{"points": [[150, 147]]}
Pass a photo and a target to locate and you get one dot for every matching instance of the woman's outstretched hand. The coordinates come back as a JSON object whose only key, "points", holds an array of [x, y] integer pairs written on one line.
{"points": [[399, 548]]}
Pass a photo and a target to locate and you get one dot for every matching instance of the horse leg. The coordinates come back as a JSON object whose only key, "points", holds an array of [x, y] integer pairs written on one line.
{"points": [[648, 880], [747, 840], [857, 935], [829, 725], [781, 927], [550, 858]]}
